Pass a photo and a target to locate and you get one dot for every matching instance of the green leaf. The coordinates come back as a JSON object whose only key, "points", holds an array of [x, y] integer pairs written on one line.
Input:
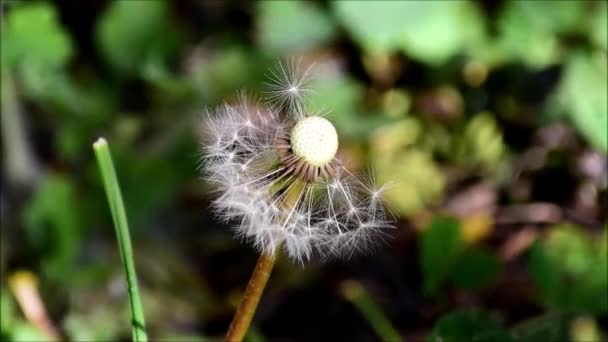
{"points": [[25, 332], [56, 88], [133, 34], [559, 17], [481, 143], [37, 46], [98, 323], [468, 325], [582, 97], [340, 97], [227, 70], [285, 26], [6, 311], [416, 177], [528, 30], [550, 327], [375, 25], [431, 31], [440, 244], [567, 270], [598, 24], [32, 35], [398, 159], [54, 225], [475, 269]]}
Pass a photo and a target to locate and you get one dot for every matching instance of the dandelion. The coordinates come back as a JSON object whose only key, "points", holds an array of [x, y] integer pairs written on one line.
{"points": [[278, 179]]}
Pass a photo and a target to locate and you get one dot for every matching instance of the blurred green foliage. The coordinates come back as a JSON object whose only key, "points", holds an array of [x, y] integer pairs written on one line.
{"points": [[414, 176], [478, 325], [427, 30], [470, 325], [13, 327], [286, 26], [53, 226], [548, 327], [570, 270], [432, 96], [581, 97], [44, 44], [134, 36], [444, 257], [481, 143]]}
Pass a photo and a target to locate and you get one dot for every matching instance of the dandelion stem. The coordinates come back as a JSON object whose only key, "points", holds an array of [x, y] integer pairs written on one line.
{"points": [[119, 216], [244, 313]]}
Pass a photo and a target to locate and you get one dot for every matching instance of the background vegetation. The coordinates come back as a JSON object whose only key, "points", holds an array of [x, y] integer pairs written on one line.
{"points": [[490, 118]]}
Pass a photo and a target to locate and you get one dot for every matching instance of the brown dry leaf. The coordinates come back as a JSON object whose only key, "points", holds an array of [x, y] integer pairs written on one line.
{"points": [[24, 285]]}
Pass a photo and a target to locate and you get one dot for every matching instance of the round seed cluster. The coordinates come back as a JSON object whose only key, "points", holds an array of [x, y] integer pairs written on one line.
{"points": [[315, 140]]}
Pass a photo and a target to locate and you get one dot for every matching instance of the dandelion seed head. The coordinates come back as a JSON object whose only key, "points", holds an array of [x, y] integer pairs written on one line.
{"points": [[315, 140], [278, 181]]}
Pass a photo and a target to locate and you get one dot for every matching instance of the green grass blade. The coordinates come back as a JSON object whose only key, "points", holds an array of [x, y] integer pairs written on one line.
{"points": [[119, 216], [355, 293]]}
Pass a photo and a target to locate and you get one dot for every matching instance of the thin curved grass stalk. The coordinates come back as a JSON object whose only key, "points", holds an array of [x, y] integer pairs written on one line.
{"points": [[370, 310], [119, 216]]}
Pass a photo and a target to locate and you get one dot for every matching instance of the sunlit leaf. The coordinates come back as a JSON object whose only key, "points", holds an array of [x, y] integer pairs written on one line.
{"points": [[528, 30], [566, 270], [132, 34], [427, 30], [95, 323], [585, 328], [25, 332], [415, 178], [559, 17], [582, 97], [6, 311], [285, 26], [340, 98], [481, 143], [32, 35]]}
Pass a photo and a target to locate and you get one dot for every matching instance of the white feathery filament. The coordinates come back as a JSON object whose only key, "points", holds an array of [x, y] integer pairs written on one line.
{"points": [[279, 182]]}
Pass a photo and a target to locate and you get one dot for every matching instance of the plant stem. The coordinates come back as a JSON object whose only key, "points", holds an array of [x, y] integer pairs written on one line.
{"points": [[249, 303], [119, 216], [354, 292], [244, 313], [21, 165]]}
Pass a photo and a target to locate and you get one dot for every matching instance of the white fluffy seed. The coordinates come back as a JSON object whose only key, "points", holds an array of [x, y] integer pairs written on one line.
{"points": [[315, 140]]}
